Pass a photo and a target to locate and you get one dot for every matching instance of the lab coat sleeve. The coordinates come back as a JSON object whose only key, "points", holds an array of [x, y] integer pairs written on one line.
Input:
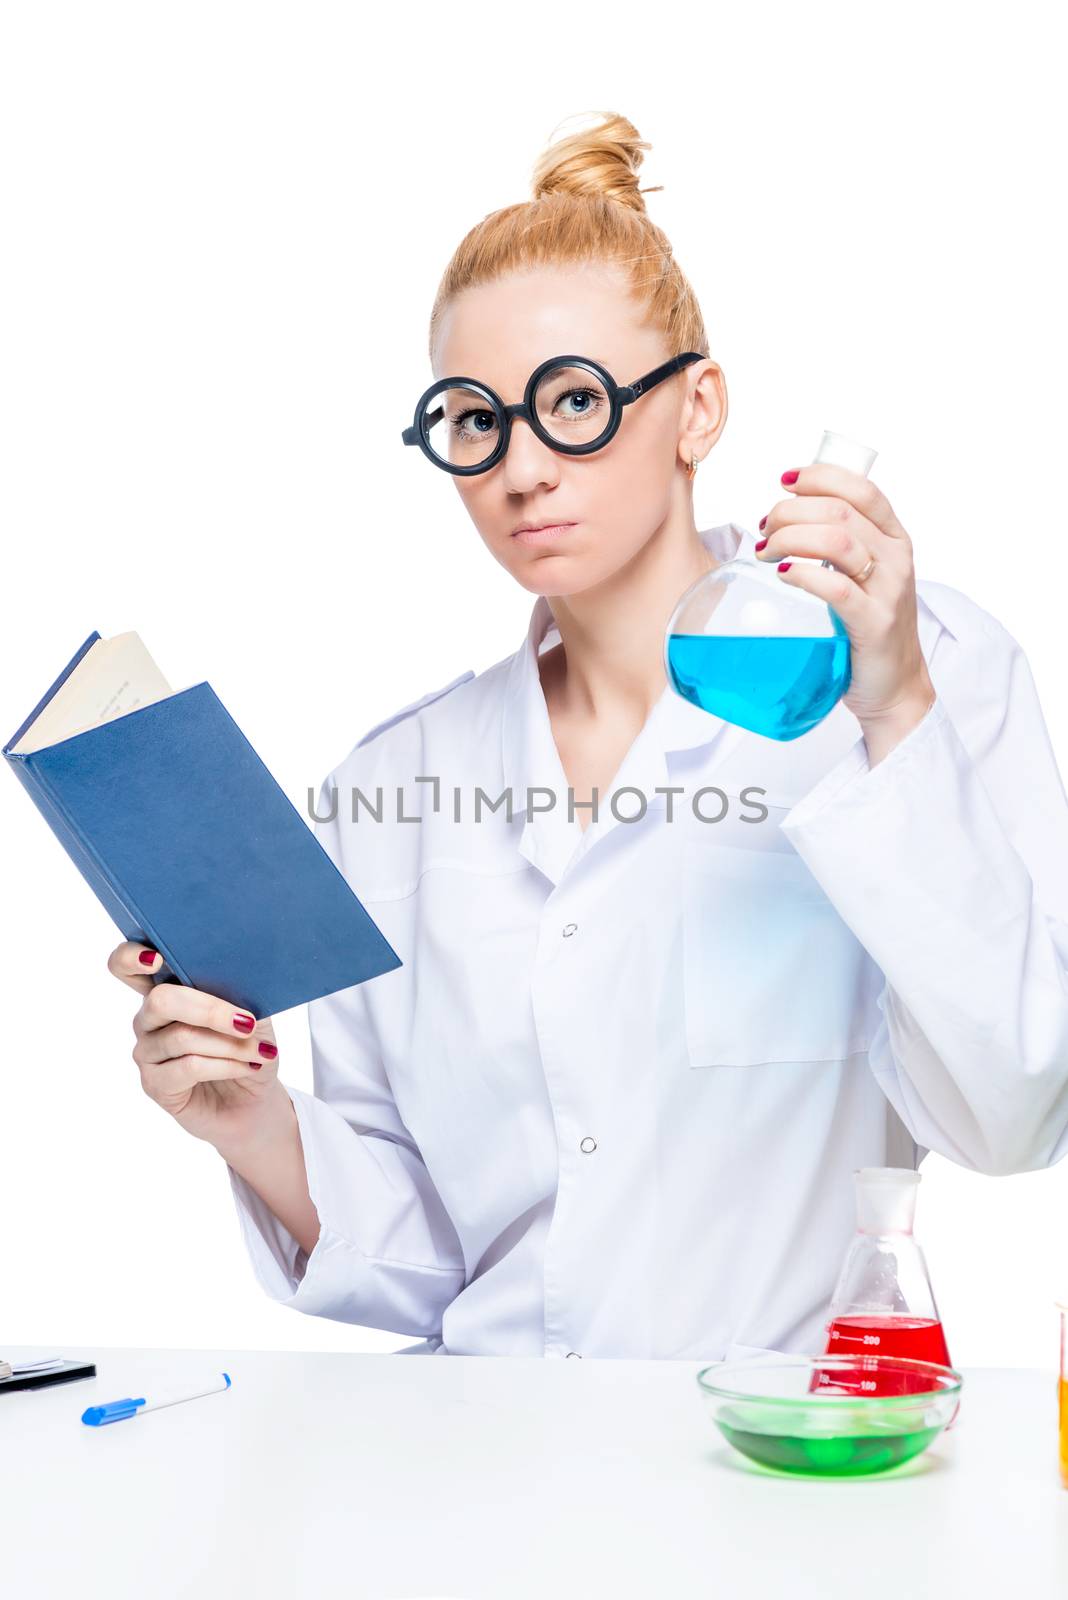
{"points": [[387, 1255], [949, 861]]}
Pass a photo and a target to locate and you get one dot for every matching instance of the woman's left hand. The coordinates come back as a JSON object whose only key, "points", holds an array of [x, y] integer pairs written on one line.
{"points": [[843, 517]]}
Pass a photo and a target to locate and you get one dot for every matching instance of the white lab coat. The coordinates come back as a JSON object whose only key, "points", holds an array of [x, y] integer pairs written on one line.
{"points": [[612, 1102]]}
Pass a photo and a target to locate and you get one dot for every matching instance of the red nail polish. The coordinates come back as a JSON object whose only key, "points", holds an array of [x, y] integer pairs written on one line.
{"points": [[267, 1049], [255, 1065], [763, 520], [760, 544], [243, 1022], [791, 476], [147, 957], [784, 566]]}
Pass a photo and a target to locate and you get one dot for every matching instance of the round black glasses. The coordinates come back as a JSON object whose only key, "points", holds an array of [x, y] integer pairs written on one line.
{"points": [[572, 403]]}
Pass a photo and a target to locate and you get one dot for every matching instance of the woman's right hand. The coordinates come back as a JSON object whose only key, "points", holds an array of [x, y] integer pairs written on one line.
{"points": [[218, 1080]]}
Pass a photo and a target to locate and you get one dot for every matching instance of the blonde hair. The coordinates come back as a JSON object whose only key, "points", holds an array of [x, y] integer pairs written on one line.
{"points": [[587, 206]]}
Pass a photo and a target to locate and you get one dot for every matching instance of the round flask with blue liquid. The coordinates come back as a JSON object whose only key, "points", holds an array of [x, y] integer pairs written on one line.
{"points": [[755, 651]]}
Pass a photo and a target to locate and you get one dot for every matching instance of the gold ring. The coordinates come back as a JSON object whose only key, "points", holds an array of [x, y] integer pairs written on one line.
{"points": [[866, 571]]}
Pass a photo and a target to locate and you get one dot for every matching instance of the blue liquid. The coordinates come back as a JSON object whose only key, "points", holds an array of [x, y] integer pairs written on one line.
{"points": [[780, 687]]}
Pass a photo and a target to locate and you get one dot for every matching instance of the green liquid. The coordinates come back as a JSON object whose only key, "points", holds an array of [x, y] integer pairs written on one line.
{"points": [[840, 1456]]}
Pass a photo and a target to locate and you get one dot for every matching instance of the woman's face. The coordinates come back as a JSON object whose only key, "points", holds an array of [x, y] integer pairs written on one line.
{"points": [[618, 497]]}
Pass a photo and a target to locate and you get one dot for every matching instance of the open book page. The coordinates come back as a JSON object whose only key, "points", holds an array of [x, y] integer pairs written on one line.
{"points": [[114, 676]]}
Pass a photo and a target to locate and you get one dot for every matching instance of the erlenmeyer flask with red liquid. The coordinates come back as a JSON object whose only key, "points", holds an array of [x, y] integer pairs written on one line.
{"points": [[883, 1303]]}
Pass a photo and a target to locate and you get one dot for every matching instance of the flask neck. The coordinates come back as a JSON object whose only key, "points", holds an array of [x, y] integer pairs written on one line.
{"points": [[886, 1199]]}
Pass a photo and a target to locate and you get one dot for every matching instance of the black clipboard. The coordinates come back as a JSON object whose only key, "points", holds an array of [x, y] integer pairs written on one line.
{"points": [[39, 1380]]}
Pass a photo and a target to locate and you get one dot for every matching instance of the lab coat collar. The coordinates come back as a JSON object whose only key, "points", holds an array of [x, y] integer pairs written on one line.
{"points": [[531, 760]]}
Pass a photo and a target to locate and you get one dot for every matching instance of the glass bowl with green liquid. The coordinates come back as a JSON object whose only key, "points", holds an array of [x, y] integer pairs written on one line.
{"points": [[830, 1416]]}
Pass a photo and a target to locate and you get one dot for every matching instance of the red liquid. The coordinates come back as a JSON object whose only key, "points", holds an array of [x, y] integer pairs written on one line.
{"points": [[917, 1338]]}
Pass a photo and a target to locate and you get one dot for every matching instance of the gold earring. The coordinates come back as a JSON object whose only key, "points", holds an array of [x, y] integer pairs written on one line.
{"points": [[692, 473]]}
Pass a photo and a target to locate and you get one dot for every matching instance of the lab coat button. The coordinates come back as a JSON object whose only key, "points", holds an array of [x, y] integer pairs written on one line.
{"points": [[569, 929], [588, 1144]]}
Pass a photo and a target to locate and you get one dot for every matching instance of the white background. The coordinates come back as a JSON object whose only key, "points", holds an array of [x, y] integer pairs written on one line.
{"points": [[223, 228]]}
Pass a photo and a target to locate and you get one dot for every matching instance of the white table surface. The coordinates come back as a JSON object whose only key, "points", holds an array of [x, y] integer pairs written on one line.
{"points": [[480, 1478]]}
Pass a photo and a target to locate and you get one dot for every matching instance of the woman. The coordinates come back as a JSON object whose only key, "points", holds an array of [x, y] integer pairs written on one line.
{"points": [[612, 1101]]}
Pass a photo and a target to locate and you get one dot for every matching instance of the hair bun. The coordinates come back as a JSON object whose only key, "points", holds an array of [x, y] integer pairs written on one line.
{"points": [[600, 160]]}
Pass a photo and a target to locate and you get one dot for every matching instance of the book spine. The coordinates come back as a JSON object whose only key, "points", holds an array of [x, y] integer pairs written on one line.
{"points": [[82, 650], [111, 894]]}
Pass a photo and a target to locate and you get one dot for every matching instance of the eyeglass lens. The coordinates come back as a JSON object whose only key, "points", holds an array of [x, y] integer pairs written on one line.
{"points": [[571, 404]]}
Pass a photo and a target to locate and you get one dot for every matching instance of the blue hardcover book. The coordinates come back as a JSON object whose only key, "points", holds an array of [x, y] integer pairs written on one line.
{"points": [[185, 837]]}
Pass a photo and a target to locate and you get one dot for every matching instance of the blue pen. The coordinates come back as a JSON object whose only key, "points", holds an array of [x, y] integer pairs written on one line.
{"points": [[119, 1410]]}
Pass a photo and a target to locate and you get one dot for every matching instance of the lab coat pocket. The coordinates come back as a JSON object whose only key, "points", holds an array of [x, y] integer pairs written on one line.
{"points": [[771, 972]]}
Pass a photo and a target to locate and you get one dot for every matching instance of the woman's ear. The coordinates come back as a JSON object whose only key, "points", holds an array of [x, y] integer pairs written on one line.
{"points": [[704, 413]]}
